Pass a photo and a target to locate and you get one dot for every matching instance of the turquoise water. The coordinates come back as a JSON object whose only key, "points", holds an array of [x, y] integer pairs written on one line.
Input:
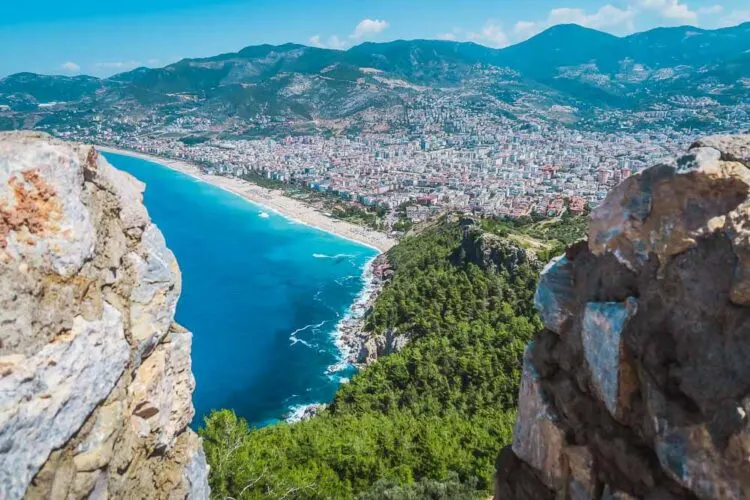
{"points": [[261, 294]]}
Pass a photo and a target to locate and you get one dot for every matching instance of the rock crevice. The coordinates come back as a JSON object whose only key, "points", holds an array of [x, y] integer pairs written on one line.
{"points": [[95, 378], [639, 385]]}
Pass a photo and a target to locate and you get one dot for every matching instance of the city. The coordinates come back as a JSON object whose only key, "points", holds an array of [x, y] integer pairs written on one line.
{"points": [[336, 250], [493, 167]]}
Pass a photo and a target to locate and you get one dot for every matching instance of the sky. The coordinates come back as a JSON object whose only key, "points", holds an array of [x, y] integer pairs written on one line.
{"points": [[101, 38]]}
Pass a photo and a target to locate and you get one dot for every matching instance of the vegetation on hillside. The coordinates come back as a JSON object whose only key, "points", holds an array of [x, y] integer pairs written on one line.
{"points": [[548, 237], [426, 422]]}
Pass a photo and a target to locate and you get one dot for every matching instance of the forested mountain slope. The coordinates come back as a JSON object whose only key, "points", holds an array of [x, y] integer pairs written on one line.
{"points": [[291, 88], [425, 422]]}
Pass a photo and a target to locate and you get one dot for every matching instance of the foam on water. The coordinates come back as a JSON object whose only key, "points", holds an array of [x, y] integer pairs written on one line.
{"points": [[352, 315], [294, 339], [338, 256]]}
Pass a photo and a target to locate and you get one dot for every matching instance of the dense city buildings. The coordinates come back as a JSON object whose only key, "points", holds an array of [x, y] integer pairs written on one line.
{"points": [[417, 127], [503, 168]]}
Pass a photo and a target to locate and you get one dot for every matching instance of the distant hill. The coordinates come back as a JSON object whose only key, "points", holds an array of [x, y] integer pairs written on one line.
{"points": [[44, 89], [566, 65]]}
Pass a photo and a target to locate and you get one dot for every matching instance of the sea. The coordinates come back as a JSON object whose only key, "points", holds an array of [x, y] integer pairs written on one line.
{"points": [[262, 294]]}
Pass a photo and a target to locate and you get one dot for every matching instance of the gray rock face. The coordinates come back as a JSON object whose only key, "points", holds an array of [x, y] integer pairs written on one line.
{"points": [[554, 293], [731, 147], [381, 345], [46, 398], [157, 288], [196, 475], [605, 354], [639, 385], [492, 252], [95, 380], [44, 221], [538, 440]]}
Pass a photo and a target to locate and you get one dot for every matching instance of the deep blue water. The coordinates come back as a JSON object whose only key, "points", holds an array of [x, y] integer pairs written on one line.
{"points": [[250, 281]]}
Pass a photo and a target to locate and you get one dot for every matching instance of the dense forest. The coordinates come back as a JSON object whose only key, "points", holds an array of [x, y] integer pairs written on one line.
{"points": [[425, 422]]}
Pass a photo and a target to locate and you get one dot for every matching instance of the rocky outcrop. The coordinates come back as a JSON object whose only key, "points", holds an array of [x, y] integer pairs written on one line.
{"points": [[380, 345], [95, 378], [489, 251], [359, 345], [639, 385]]}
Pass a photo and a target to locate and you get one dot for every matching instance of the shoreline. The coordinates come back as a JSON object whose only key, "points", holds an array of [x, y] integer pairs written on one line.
{"points": [[348, 334], [289, 208], [349, 337]]}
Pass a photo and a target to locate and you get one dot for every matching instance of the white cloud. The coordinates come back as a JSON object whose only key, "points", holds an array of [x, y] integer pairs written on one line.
{"points": [[671, 9], [710, 10], [369, 27], [491, 34], [450, 36], [607, 17], [315, 41], [70, 67], [735, 17], [333, 42], [526, 29], [152, 62], [119, 65], [365, 30]]}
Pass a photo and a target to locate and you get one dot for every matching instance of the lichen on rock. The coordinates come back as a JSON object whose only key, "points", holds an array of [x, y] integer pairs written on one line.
{"points": [[95, 379], [639, 385]]}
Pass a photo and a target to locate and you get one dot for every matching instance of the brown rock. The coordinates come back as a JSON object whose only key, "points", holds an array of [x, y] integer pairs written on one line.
{"points": [[582, 481], [644, 390], [538, 440]]}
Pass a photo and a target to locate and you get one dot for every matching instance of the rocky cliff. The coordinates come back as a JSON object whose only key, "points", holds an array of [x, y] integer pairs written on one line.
{"points": [[639, 385], [489, 251], [95, 378]]}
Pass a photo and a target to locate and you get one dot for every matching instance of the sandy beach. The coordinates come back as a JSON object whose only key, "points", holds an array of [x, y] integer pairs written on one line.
{"points": [[272, 200], [349, 335]]}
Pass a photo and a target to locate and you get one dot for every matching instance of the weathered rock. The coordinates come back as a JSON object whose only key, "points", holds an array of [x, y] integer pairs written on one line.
{"points": [[553, 294], [46, 398], [666, 209], [43, 220], [157, 288], [195, 474], [384, 344], [162, 388], [538, 439], [611, 494], [489, 251], [95, 379], [516, 480], [732, 148], [582, 482], [612, 373], [639, 386]]}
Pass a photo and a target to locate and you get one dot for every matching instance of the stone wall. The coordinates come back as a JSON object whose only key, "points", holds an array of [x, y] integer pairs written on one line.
{"points": [[95, 378], [639, 385]]}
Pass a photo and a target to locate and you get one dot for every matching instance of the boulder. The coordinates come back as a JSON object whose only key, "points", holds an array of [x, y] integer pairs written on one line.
{"points": [[639, 385]]}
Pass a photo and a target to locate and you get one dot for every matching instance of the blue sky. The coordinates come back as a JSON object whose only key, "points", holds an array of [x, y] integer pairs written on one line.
{"points": [[102, 37]]}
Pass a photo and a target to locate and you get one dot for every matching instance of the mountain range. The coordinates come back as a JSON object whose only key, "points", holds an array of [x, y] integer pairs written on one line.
{"points": [[567, 68]]}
